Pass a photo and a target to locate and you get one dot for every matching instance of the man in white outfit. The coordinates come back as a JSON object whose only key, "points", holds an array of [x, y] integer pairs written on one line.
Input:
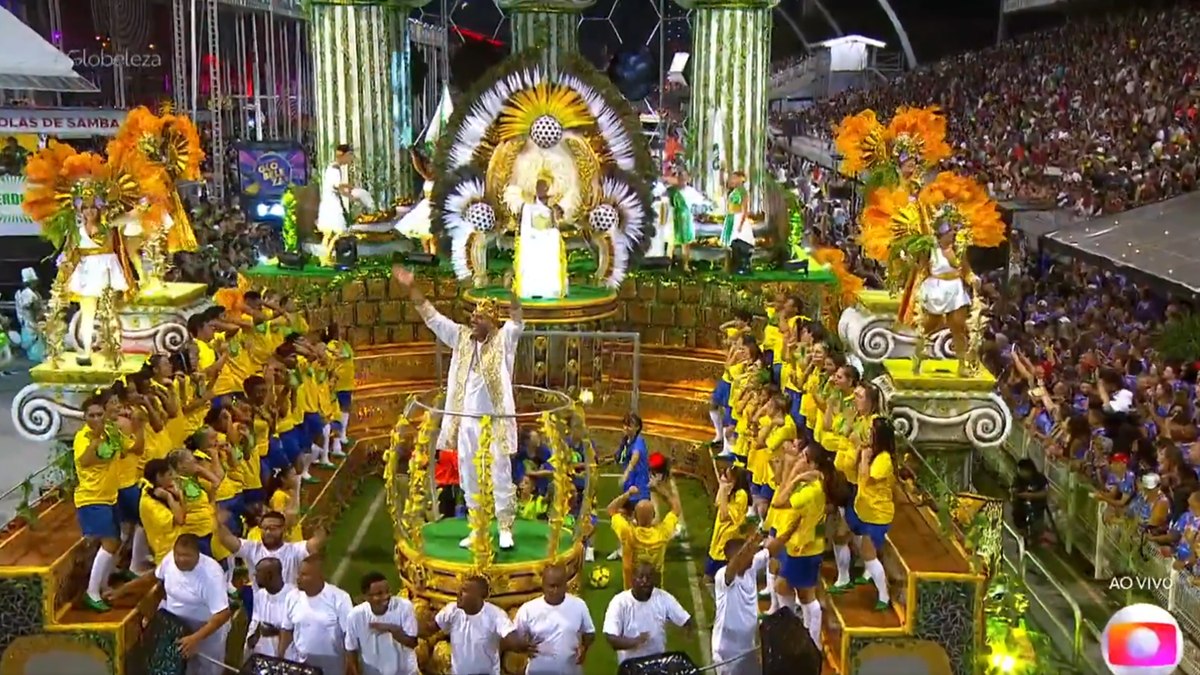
{"points": [[480, 384], [558, 624], [333, 211], [735, 630]]}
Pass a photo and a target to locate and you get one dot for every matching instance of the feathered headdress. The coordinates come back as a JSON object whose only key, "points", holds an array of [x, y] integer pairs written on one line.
{"points": [[489, 308], [915, 136], [167, 140], [896, 225], [61, 182]]}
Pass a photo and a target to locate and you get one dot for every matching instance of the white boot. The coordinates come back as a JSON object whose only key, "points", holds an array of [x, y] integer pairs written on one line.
{"points": [[465, 542], [506, 538], [589, 554]]}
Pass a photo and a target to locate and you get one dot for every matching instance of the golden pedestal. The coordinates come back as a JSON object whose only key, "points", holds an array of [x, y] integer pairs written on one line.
{"points": [[870, 331], [584, 304], [59, 390], [938, 406], [156, 319]]}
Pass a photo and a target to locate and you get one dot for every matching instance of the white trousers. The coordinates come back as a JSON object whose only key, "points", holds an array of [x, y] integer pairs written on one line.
{"points": [[503, 492], [213, 647], [739, 651]]}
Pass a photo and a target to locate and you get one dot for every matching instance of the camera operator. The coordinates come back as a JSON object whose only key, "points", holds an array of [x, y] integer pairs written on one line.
{"points": [[1029, 490]]}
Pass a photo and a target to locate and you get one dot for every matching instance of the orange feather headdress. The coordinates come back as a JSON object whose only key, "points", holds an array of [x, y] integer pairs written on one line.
{"points": [[167, 140], [916, 135]]}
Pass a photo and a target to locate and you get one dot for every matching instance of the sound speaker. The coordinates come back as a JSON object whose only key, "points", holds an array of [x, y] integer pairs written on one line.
{"points": [[655, 263], [269, 665], [984, 260], [798, 266], [290, 260], [787, 648], [345, 253], [420, 259]]}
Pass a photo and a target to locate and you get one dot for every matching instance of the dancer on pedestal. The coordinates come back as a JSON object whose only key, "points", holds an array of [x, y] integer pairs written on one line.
{"points": [[78, 198], [415, 224], [683, 227], [480, 383], [540, 261], [333, 213]]}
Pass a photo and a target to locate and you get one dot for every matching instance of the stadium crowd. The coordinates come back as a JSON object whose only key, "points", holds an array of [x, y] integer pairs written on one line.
{"points": [[1098, 115]]}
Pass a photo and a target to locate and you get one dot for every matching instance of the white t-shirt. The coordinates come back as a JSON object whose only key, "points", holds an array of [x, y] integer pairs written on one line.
{"points": [[317, 622], [556, 630], [195, 595], [1121, 402], [736, 624], [289, 555], [272, 610], [474, 639], [627, 617], [379, 653]]}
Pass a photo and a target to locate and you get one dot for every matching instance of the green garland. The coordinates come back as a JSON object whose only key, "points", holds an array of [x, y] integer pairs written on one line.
{"points": [[795, 227], [291, 234]]}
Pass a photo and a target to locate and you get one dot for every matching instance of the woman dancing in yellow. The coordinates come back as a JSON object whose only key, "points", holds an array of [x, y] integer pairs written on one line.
{"points": [[800, 523], [874, 506], [838, 423]]}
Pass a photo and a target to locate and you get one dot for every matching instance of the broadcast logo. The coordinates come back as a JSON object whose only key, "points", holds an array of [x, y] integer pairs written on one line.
{"points": [[1142, 640]]}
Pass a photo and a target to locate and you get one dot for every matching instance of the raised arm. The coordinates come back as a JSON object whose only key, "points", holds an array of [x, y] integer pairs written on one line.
{"points": [[445, 329]]}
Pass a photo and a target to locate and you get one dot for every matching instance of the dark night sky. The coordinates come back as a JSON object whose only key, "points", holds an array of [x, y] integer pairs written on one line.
{"points": [[936, 27]]}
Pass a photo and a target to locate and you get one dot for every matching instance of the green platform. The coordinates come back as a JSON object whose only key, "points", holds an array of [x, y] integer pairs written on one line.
{"points": [[532, 538], [575, 293]]}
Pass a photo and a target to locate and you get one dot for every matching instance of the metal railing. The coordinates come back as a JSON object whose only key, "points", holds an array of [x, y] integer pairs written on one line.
{"points": [[1112, 543], [571, 361], [25, 497]]}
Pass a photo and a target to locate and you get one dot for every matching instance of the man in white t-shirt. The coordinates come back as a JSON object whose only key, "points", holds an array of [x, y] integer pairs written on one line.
{"points": [[381, 633], [272, 525], [268, 609], [635, 623], [193, 586], [477, 629], [314, 625], [735, 630], [557, 626]]}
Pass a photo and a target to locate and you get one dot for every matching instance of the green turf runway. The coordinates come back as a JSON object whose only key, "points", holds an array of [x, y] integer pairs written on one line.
{"points": [[683, 568]]}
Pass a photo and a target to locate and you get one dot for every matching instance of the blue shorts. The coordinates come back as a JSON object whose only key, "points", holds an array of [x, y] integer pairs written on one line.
{"points": [[765, 492], [344, 398], [253, 496], [876, 533], [98, 521], [800, 571], [276, 458], [128, 500], [776, 372], [236, 506], [711, 567], [313, 425], [720, 394], [206, 545], [642, 486], [291, 445], [794, 399]]}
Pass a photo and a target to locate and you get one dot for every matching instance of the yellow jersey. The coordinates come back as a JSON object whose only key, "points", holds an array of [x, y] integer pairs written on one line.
{"points": [[779, 435], [808, 404], [726, 530], [343, 372], [198, 510], [807, 504], [205, 355], [874, 502], [128, 466], [159, 523], [97, 484], [758, 456], [252, 462], [231, 484], [280, 500], [308, 395], [644, 544], [241, 363]]}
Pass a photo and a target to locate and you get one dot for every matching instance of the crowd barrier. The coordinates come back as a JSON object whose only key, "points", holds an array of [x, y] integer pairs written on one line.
{"points": [[1111, 542]]}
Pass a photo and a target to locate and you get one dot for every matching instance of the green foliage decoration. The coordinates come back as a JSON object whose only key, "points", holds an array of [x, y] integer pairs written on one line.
{"points": [[291, 233]]}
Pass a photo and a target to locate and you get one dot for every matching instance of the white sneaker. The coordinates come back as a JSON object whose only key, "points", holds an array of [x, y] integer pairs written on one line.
{"points": [[340, 454], [506, 540], [589, 554], [466, 542], [615, 555]]}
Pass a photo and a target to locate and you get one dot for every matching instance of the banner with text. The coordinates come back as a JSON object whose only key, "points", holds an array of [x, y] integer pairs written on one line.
{"points": [[60, 122]]}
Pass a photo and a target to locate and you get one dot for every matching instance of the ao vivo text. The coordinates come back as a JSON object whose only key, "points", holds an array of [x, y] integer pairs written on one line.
{"points": [[1140, 583]]}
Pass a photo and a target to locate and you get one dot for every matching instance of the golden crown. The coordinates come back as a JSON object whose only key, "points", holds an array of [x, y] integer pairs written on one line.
{"points": [[489, 308]]}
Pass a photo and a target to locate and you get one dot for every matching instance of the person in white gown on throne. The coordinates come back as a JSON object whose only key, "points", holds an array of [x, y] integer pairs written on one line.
{"points": [[540, 261], [479, 384]]}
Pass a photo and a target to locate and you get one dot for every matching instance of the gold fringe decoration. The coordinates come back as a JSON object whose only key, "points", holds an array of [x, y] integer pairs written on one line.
{"points": [[499, 175], [587, 499], [53, 325], [559, 462], [156, 256], [481, 515], [918, 322], [588, 167], [110, 327]]}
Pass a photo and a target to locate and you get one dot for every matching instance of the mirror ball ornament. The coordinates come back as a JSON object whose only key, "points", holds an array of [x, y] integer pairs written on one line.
{"points": [[546, 132], [604, 218], [481, 216]]}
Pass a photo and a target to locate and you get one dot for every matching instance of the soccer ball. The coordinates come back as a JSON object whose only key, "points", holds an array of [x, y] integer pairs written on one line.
{"points": [[600, 577], [481, 217], [604, 218], [546, 132]]}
